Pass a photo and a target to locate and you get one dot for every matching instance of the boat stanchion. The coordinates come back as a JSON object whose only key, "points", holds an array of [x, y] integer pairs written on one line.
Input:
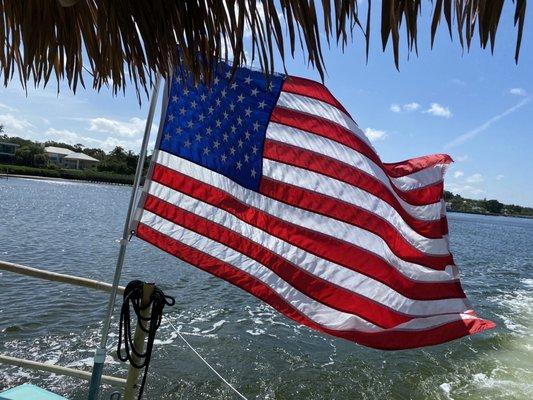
{"points": [[96, 379]]}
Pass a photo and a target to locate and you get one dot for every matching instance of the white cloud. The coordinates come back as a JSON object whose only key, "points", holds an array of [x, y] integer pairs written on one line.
{"points": [[484, 126], [68, 136], [8, 108], [13, 124], [261, 19], [461, 158], [438, 110], [475, 178], [411, 106], [408, 107], [107, 144], [395, 108], [518, 91], [375, 135], [127, 129], [63, 135], [465, 190], [110, 143], [500, 177], [472, 191], [471, 186]]}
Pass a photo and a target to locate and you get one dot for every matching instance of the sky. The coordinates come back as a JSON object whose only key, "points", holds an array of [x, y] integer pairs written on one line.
{"points": [[475, 106]]}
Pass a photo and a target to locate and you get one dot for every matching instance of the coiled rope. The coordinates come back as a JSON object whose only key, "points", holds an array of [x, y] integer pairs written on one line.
{"points": [[133, 295]]}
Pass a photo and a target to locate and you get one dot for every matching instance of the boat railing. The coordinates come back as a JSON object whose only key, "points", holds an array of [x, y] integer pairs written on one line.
{"points": [[128, 385]]}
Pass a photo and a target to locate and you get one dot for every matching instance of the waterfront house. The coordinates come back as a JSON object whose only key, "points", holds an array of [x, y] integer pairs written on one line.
{"points": [[66, 158], [8, 149], [56, 154], [79, 161]]}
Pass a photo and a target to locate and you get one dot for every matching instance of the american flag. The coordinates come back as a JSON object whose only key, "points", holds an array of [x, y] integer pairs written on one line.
{"points": [[268, 183]]}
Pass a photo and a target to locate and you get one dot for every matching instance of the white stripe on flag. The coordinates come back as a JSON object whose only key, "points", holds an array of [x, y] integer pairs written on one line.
{"points": [[319, 267], [316, 222], [316, 311], [353, 195], [421, 178], [337, 151], [320, 109]]}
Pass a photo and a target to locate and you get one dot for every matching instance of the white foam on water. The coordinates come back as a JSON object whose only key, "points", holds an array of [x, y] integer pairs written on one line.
{"points": [[517, 313], [60, 182], [497, 383], [528, 282], [215, 327], [513, 375], [447, 388], [512, 325], [52, 361], [169, 340], [84, 362], [256, 331]]}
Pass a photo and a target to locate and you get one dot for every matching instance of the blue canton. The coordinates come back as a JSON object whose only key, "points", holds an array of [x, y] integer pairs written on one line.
{"points": [[222, 126]]}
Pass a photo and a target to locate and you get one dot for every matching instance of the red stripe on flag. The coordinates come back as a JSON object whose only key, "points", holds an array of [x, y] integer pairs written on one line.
{"points": [[322, 127], [407, 167], [309, 88], [333, 131], [387, 340], [327, 247], [330, 207], [318, 289], [337, 133], [327, 166]]}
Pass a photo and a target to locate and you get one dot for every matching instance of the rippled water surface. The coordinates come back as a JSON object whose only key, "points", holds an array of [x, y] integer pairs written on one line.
{"points": [[73, 228]]}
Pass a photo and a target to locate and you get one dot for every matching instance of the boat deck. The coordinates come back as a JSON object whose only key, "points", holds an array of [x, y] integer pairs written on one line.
{"points": [[27, 391]]}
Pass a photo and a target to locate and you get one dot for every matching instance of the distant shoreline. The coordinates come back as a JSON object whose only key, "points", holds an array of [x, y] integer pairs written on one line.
{"points": [[85, 175], [52, 178], [490, 214]]}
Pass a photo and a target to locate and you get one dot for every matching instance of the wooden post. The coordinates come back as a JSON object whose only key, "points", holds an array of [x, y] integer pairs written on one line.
{"points": [[138, 343]]}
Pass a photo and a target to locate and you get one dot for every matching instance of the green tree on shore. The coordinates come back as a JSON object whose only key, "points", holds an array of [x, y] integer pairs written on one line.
{"points": [[493, 206], [31, 155], [28, 153]]}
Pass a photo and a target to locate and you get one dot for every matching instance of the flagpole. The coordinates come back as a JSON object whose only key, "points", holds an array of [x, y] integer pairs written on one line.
{"points": [[100, 353]]}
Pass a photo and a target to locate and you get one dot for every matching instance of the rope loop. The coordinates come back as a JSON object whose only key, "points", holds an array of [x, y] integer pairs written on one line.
{"points": [[133, 296]]}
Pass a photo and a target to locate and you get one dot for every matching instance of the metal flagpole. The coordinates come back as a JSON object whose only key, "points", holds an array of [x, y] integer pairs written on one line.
{"points": [[100, 353]]}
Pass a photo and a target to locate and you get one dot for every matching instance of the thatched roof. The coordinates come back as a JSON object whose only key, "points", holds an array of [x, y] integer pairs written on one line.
{"points": [[118, 40]]}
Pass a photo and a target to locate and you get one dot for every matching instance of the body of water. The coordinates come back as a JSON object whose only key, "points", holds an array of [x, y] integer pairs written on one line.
{"points": [[74, 228]]}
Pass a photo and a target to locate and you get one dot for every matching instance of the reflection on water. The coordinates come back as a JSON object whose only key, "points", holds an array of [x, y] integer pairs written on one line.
{"points": [[73, 228]]}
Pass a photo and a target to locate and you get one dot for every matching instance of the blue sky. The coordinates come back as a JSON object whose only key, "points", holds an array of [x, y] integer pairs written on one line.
{"points": [[474, 106]]}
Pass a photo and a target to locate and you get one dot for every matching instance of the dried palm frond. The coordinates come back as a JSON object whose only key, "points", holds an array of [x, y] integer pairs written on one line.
{"points": [[119, 39]]}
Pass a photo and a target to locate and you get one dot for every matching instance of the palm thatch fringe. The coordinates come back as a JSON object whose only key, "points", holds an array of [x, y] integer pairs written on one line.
{"points": [[119, 39]]}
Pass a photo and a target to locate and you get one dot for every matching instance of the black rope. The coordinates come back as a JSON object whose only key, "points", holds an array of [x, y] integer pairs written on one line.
{"points": [[133, 294]]}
